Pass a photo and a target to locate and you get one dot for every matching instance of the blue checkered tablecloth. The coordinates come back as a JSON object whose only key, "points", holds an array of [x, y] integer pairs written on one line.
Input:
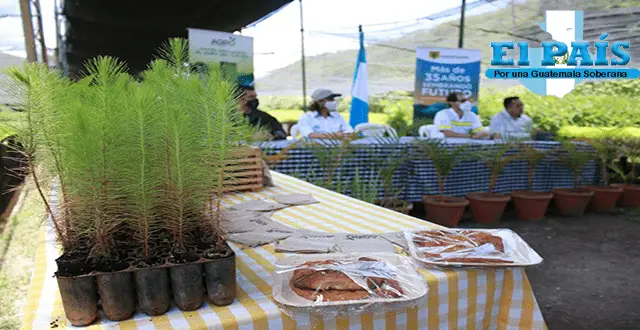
{"points": [[415, 176]]}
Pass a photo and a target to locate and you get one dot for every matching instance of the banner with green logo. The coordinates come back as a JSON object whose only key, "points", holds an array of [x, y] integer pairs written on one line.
{"points": [[233, 52]]}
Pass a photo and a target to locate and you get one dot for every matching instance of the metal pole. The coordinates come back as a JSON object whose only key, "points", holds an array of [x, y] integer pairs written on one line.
{"points": [[461, 37], [56, 51], [304, 68], [513, 15], [27, 28]]}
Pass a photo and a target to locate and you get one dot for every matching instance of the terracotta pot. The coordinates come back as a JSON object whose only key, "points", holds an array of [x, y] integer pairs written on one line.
{"points": [[572, 201], [79, 299], [531, 205], [487, 207], [630, 195], [604, 197], [444, 210], [397, 205]]}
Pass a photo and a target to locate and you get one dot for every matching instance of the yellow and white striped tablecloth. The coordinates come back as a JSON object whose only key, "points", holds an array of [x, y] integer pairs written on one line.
{"points": [[458, 299]]}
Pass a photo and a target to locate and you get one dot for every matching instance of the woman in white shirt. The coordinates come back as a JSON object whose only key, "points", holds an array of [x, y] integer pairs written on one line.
{"points": [[323, 120]]}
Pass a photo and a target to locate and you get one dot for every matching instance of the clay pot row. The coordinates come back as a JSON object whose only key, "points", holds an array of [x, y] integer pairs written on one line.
{"points": [[152, 288], [489, 207]]}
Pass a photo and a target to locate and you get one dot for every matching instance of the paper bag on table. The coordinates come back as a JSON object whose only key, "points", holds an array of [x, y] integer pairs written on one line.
{"points": [[348, 243], [232, 222], [266, 175], [260, 237], [308, 242], [232, 215], [259, 206]]}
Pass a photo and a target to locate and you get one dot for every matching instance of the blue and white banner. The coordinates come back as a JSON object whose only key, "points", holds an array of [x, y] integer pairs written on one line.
{"points": [[440, 71], [564, 26], [360, 89]]}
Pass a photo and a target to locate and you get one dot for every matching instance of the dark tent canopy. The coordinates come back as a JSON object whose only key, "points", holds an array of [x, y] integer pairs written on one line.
{"points": [[132, 30]]}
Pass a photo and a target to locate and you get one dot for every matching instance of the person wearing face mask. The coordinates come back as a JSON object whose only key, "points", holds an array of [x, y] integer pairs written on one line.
{"points": [[511, 122], [248, 104], [323, 119], [459, 121]]}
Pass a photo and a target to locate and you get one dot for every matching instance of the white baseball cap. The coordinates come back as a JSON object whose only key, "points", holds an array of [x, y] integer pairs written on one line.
{"points": [[321, 94]]}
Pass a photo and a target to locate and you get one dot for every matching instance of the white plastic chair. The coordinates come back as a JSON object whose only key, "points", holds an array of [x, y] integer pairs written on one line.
{"points": [[376, 130], [430, 132], [294, 131], [425, 131]]}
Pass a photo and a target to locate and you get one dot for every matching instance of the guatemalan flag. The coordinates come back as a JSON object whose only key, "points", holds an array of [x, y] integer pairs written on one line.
{"points": [[360, 89]]}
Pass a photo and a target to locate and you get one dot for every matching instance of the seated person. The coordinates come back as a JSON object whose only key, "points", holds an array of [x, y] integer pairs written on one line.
{"points": [[323, 120], [459, 121], [248, 104], [512, 123], [430, 111]]}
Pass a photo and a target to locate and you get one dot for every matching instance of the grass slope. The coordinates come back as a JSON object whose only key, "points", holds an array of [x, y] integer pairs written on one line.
{"points": [[19, 238]]}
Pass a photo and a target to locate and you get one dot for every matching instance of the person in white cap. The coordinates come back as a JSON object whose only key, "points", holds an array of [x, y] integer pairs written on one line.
{"points": [[323, 120]]}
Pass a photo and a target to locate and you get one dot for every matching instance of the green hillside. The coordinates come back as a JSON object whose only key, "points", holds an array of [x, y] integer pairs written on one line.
{"points": [[392, 67]]}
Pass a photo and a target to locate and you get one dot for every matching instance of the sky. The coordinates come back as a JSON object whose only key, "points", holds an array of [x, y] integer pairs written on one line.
{"points": [[277, 38], [280, 33], [11, 35]]}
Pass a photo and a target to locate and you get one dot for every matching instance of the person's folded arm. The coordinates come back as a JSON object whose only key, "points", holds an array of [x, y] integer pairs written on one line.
{"points": [[497, 125], [277, 131], [477, 130], [344, 126], [305, 127], [444, 125]]}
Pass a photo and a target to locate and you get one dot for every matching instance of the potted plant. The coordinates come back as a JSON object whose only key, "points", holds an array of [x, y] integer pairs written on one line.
{"points": [[365, 190], [331, 155], [488, 207], [629, 147], [531, 205], [441, 209], [605, 196], [139, 172], [386, 169], [573, 201]]}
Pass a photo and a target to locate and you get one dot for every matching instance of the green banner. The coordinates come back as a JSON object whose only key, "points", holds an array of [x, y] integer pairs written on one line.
{"points": [[233, 52]]}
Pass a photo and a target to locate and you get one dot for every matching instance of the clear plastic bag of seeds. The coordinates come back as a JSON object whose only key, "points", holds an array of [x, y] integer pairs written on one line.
{"points": [[334, 285]]}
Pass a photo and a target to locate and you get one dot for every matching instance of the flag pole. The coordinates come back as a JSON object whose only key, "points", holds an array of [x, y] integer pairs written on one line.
{"points": [[304, 68], [359, 89]]}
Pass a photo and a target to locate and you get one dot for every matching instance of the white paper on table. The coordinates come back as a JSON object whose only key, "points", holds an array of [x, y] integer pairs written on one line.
{"points": [[348, 243], [296, 199]]}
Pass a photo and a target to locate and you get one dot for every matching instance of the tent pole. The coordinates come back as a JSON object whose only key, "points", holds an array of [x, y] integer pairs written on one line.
{"points": [[27, 28], [304, 68]]}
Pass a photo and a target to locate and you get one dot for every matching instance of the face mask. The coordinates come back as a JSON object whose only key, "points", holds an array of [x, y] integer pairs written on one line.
{"points": [[466, 106], [331, 105], [253, 104]]}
